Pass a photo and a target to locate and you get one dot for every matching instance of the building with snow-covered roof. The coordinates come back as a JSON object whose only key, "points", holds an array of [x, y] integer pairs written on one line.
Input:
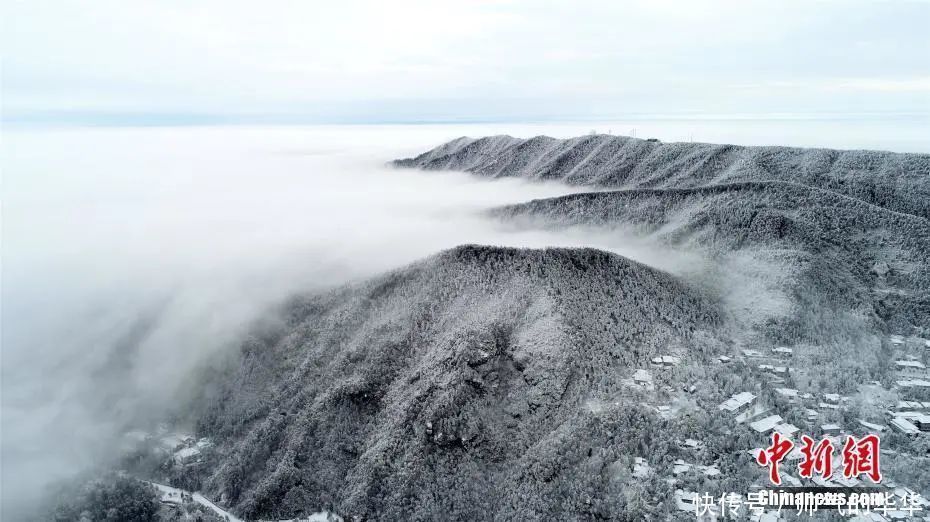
{"points": [[737, 401], [913, 383], [783, 350], [903, 426], [751, 413], [681, 467], [666, 360], [767, 424], [910, 368], [684, 500], [922, 422], [641, 468], [789, 393], [691, 444], [872, 427], [831, 429], [786, 429], [642, 377]]}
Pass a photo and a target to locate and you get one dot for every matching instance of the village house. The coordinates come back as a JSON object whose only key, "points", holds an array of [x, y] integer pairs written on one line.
{"points": [[873, 428], [684, 500], [786, 429], [767, 424], [919, 419], [666, 361], [753, 412], [913, 383], [903, 426], [691, 444], [911, 368], [737, 401], [681, 467], [642, 378], [641, 468]]}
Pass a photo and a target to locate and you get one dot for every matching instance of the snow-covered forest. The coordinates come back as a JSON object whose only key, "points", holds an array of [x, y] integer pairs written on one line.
{"points": [[563, 383]]}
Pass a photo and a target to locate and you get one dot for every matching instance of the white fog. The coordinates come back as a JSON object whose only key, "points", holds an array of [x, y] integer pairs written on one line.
{"points": [[162, 244], [279, 260]]}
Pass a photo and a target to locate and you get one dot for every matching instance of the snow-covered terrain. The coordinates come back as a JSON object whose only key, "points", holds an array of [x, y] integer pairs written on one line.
{"points": [[577, 372]]}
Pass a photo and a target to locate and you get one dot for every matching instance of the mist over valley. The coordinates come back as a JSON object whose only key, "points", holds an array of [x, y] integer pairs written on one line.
{"points": [[329, 325]]}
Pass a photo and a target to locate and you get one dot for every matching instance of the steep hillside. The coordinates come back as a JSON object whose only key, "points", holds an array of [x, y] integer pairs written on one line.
{"points": [[895, 181], [472, 385], [850, 254], [491, 383]]}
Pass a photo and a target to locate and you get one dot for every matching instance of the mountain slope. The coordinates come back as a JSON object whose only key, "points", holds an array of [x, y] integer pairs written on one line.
{"points": [[860, 256], [459, 387], [497, 383], [899, 182]]}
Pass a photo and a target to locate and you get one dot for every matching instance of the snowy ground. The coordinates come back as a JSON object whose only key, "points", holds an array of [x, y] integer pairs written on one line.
{"points": [[175, 495]]}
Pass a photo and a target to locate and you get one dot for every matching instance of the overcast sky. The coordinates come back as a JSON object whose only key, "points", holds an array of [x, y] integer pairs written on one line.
{"points": [[373, 61]]}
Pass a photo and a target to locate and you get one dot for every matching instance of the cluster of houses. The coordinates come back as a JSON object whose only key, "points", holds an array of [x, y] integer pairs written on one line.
{"points": [[643, 377], [911, 417], [911, 372], [763, 421], [183, 449], [773, 364]]}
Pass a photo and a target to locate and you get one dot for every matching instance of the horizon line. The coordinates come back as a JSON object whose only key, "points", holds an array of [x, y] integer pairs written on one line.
{"points": [[172, 119]]}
